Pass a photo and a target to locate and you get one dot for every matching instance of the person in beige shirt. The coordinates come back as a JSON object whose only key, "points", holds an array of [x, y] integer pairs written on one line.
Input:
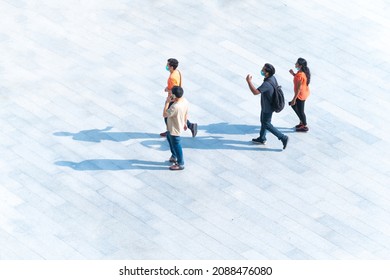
{"points": [[176, 115]]}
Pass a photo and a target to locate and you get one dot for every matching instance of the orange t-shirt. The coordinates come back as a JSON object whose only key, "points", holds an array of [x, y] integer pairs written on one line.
{"points": [[174, 79], [304, 91]]}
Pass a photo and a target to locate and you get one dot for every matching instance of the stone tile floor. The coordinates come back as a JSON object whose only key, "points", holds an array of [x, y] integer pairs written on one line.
{"points": [[84, 173]]}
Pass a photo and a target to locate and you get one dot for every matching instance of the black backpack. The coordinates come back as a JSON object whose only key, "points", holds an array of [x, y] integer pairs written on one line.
{"points": [[277, 101]]}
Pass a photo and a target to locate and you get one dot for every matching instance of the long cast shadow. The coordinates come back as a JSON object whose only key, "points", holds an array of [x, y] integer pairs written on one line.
{"points": [[99, 135], [239, 129], [286, 129], [113, 164], [211, 143], [227, 128], [154, 141]]}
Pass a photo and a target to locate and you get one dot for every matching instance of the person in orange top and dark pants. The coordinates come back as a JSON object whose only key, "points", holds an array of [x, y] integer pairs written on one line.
{"points": [[301, 92], [175, 80]]}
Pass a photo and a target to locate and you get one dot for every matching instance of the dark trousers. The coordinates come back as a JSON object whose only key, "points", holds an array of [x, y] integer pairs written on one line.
{"points": [[265, 119], [299, 109]]}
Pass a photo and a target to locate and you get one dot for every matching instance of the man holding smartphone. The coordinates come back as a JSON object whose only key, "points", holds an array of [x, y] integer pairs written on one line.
{"points": [[176, 115]]}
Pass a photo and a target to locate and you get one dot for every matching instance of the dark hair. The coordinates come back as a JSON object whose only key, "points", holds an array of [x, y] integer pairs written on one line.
{"points": [[303, 63], [173, 62], [269, 69], [177, 91]]}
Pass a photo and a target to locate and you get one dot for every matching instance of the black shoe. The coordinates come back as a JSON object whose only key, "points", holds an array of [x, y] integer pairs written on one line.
{"points": [[258, 141], [194, 129], [163, 134], [285, 142]]}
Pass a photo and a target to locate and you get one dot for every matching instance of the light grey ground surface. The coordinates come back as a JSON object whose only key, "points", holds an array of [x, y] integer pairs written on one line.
{"points": [[84, 173]]}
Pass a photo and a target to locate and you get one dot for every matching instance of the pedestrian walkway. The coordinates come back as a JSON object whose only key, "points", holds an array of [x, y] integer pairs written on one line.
{"points": [[84, 172]]}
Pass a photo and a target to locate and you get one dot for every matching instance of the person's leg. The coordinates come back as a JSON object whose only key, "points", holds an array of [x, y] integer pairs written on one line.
{"points": [[263, 129], [295, 108], [171, 146], [176, 143], [164, 134], [301, 109], [261, 139], [178, 149], [193, 127], [267, 117]]}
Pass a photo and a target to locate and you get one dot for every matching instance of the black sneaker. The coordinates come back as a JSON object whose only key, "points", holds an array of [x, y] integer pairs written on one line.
{"points": [[258, 141], [194, 129], [285, 141]]}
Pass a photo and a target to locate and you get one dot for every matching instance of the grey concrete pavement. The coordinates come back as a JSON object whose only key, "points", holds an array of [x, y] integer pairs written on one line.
{"points": [[84, 173]]}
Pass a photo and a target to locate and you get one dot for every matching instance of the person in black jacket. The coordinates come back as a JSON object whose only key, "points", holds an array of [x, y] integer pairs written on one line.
{"points": [[266, 91]]}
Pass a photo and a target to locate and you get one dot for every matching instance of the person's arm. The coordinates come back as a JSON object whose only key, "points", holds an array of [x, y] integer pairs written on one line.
{"points": [[253, 89], [185, 121], [298, 88], [169, 91]]}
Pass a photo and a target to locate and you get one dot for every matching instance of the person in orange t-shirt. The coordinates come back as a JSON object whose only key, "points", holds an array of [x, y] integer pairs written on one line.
{"points": [[175, 80], [301, 92]]}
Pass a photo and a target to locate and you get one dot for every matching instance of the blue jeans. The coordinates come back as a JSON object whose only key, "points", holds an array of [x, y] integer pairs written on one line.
{"points": [[265, 119], [176, 149]]}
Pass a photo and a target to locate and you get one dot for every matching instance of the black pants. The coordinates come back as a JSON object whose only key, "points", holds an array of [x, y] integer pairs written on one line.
{"points": [[299, 109]]}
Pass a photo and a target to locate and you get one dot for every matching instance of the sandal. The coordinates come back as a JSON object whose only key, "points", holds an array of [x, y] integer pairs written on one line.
{"points": [[172, 159], [176, 167]]}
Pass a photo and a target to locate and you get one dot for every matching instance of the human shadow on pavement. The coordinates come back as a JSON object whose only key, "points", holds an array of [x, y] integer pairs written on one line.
{"points": [[211, 143], [99, 135], [227, 128], [238, 129], [113, 164], [286, 129]]}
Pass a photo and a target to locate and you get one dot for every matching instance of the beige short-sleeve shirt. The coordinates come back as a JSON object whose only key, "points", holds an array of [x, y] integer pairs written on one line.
{"points": [[177, 117]]}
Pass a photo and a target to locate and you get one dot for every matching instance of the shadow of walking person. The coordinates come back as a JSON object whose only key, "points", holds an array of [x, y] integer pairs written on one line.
{"points": [[99, 135], [113, 164], [227, 128], [210, 143]]}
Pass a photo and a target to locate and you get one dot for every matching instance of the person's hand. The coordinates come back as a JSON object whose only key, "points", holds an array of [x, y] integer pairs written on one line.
{"points": [[166, 89], [169, 99], [292, 102], [249, 78], [185, 127], [292, 72]]}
